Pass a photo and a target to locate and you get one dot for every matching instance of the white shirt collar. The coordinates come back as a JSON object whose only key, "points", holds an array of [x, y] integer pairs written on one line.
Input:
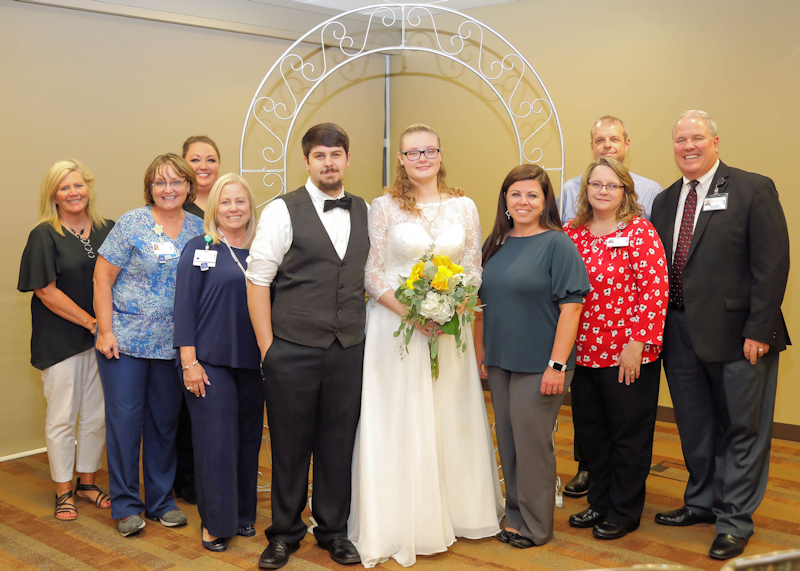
{"points": [[317, 195], [705, 180]]}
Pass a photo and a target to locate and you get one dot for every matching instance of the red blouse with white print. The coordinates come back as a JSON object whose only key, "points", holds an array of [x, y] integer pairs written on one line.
{"points": [[629, 295]]}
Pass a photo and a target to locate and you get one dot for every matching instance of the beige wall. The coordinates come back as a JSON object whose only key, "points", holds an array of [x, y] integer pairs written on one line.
{"points": [[115, 92]]}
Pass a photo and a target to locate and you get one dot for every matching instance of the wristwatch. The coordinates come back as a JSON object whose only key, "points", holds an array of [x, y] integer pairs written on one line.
{"points": [[560, 367]]}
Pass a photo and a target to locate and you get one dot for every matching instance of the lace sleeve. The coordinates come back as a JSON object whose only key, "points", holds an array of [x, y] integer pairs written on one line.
{"points": [[374, 281], [472, 247]]}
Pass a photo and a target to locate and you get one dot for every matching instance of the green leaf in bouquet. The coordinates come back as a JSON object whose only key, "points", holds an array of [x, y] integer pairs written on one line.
{"points": [[397, 333], [408, 293], [472, 302], [409, 333], [434, 345], [430, 270], [451, 327]]}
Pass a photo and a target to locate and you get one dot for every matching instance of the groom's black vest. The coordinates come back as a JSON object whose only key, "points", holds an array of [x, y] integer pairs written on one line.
{"points": [[316, 296]]}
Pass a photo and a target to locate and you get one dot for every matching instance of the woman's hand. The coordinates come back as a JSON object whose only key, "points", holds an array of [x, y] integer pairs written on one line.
{"points": [[195, 379], [429, 329], [107, 344], [630, 362], [480, 355], [552, 382]]}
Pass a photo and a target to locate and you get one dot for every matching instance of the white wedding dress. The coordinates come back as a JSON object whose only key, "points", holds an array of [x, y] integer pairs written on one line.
{"points": [[424, 468]]}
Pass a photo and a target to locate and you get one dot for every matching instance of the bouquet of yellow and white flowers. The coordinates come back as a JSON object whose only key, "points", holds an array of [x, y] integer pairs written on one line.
{"points": [[434, 291]]}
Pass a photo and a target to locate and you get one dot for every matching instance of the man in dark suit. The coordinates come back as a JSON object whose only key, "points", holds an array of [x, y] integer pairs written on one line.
{"points": [[726, 241], [305, 294]]}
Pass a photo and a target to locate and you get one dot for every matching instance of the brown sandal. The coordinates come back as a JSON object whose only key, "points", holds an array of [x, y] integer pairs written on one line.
{"points": [[98, 501], [62, 507]]}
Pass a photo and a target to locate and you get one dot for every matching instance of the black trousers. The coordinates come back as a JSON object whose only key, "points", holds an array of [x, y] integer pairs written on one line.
{"points": [[615, 423], [227, 426], [184, 471], [724, 414], [313, 405]]}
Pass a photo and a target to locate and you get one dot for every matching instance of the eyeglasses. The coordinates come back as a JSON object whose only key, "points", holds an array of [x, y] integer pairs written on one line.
{"points": [[611, 187], [415, 155], [173, 184]]}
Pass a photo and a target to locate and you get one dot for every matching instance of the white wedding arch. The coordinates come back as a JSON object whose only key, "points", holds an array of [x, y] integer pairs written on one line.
{"points": [[390, 28]]}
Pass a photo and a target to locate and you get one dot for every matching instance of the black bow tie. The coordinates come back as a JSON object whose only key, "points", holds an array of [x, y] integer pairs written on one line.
{"points": [[345, 203]]}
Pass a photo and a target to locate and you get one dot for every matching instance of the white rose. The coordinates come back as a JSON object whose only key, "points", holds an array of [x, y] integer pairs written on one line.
{"points": [[437, 308]]}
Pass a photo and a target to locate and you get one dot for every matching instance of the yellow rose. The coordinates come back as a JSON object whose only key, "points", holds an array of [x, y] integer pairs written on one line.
{"points": [[456, 269], [415, 275], [440, 261], [441, 281]]}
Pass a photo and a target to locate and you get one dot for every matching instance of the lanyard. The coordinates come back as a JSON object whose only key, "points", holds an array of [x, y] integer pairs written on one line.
{"points": [[235, 259]]}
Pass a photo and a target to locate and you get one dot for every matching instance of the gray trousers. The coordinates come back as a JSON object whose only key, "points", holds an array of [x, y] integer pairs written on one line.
{"points": [[724, 414], [524, 421]]}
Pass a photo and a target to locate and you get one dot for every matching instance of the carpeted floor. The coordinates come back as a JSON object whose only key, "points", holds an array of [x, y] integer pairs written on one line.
{"points": [[30, 538]]}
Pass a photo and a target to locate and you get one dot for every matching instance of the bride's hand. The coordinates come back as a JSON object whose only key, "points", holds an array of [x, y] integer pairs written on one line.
{"points": [[429, 329]]}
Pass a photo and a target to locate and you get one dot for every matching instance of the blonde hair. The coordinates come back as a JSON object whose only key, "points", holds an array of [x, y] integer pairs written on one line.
{"points": [[402, 189], [181, 168], [628, 210], [210, 225], [48, 209]]}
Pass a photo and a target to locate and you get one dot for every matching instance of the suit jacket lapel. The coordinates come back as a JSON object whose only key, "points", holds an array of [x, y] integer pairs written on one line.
{"points": [[705, 215]]}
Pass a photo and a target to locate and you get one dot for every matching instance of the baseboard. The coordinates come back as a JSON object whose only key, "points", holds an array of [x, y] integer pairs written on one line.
{"points": [[22, 454], [780, 430]]}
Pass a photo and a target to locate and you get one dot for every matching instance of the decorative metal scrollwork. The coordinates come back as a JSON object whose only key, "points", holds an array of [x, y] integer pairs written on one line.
{"points": [[302, 68]]}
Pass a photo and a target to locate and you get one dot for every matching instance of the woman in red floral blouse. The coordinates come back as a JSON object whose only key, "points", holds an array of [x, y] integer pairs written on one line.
{"points": [[615, 388]]}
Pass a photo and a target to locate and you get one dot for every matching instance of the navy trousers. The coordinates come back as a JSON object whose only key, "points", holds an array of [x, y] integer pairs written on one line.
{"points": [[227, 425], [142, 403]]}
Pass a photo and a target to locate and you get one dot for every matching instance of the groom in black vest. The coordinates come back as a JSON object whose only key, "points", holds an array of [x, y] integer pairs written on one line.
{"points": [[305, 293]]}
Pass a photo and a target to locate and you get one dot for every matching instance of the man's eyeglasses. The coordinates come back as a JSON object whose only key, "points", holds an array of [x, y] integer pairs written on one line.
{"points": [[415, 155]]}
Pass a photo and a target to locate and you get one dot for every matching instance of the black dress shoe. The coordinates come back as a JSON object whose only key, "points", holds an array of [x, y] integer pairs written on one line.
{"points": [[504, 535], [726, 546], [247, 531], [517, 540], [342, 550], [608, 530], [586, 518], [681, 517], [218, 544], [578, 486], [276, 555]]}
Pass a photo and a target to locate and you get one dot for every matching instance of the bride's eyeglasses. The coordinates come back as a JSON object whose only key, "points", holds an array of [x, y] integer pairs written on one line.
{"points": [[415, 155]]}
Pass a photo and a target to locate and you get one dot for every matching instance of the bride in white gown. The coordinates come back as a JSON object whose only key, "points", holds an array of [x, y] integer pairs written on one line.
{"points": [[424, 468]]}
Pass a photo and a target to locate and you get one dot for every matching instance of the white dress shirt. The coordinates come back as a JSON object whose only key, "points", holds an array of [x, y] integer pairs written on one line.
{"points": [[703, 185], [274, 234]]}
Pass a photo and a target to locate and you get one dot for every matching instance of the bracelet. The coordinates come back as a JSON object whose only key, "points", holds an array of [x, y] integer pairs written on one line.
{"points": [[193, 364]]}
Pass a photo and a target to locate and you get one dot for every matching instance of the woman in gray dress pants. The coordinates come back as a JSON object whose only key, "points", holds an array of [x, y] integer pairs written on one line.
{"points": [[534, 282]]}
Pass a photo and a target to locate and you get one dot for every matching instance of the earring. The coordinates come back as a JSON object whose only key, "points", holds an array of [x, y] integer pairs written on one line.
{"points": [[508, 215]]}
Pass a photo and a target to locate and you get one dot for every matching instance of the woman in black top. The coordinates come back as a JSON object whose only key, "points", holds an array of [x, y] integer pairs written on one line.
{"points": [[219, 357], [202, 154], [533, 285], [57, 265]]}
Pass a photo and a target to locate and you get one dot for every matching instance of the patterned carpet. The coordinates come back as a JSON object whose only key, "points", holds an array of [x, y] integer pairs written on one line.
{"points": [[30, 538]]}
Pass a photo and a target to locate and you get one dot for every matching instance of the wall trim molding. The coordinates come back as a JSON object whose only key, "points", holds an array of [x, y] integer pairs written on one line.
{"points": [[19, 455]]}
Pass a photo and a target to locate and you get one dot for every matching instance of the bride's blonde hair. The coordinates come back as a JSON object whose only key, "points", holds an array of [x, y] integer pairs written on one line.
{"points": [[402, 189]]}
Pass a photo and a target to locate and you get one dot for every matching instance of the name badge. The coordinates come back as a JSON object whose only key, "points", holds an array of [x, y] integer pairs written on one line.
{"points": [[717, 201], [205, 259], [617, 242], [164, 251]]}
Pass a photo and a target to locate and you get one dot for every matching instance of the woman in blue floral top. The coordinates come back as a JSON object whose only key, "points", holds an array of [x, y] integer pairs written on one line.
{"points": [[133, 299]]}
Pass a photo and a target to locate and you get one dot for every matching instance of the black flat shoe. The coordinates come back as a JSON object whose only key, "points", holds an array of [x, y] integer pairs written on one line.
{"points": [[726, 546], [276, 555], [608, 530], [578, 486], [504, 535], [247, 531], [342, 550], [518, 541], [586, 518], [681, 517], [218, 544], [187, 494]]}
